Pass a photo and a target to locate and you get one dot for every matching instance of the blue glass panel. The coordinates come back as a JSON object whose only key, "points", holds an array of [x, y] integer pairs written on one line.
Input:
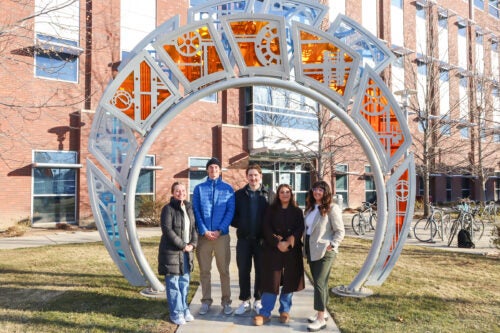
{"points": [[63, 157]]}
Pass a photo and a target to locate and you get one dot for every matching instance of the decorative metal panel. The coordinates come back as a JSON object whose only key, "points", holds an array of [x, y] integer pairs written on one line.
{"points": [[374, 53], [139, 91], [400, 194], [307, 12], [380, 116], [195, 55], [107, 206], [324, 62], [258, 45], [113, 144]]}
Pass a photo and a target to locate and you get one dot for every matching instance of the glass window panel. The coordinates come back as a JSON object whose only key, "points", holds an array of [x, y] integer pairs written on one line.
{"points": [[303, 181], [54, 209], [145, 183]]}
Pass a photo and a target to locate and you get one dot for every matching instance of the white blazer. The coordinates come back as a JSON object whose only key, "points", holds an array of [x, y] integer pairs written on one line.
{"points": [[326, 230]]}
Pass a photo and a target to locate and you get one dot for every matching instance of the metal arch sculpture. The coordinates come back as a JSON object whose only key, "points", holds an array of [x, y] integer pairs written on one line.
{"points": [[238, 43]]}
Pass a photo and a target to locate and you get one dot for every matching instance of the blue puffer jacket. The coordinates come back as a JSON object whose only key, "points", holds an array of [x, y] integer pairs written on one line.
{"points": [[217, 210]]}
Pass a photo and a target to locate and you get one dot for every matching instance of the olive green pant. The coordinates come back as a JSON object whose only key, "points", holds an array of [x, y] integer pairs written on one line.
{"points": [[320, 271]]}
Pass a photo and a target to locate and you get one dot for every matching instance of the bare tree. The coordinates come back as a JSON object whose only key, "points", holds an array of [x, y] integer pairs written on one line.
{"points": [[326, 144]]}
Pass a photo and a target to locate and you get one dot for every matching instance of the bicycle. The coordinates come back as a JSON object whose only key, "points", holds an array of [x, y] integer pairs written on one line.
{"points": [[467, 220], [365, 219], [437, 222], [490, 212]]}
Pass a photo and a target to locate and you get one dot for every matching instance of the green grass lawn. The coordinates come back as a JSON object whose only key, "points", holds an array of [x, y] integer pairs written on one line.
{"points": [[77, 288]]}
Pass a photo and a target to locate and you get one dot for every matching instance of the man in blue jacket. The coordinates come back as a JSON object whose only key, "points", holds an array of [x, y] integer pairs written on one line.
{"points": [[213, 206]]}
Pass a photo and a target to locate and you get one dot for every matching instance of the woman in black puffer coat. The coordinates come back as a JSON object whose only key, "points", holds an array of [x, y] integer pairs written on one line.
{"points": [[175, 254]]}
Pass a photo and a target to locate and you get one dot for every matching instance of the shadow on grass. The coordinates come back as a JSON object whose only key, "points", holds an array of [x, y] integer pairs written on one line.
{"points": [[63, 325]]}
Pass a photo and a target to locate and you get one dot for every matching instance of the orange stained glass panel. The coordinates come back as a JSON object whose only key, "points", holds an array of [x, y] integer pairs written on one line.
{"points": [[402, 192], [246, 34], [375, 111], [123, 98], [195, 54], [145, 92], [315, 52]]}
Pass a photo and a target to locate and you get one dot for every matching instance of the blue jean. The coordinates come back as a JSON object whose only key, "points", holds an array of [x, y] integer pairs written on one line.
{"points": [[177, 290], [268, 300]]}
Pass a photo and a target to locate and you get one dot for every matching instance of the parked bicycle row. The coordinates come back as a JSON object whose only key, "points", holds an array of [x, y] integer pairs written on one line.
{"points": [[463, 221]]}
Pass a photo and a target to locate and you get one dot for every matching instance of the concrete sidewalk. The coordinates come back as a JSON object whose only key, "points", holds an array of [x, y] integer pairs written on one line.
{"points": [[216, 321]]}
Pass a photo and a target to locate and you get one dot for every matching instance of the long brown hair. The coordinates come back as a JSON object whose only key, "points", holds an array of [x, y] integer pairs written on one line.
{"points": [[277, 202], [326, 200]]}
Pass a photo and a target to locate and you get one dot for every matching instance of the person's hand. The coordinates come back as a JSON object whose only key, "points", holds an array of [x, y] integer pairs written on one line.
{"points": [[291, 240], [216, 234], [188, 248], [209, 235], [283, 246]]}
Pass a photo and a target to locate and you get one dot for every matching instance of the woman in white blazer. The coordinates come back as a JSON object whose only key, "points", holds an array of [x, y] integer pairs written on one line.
{"points": [[324, 231]]}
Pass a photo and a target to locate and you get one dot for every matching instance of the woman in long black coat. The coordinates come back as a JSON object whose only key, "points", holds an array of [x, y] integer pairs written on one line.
{"points": [[175, 253], [282, 263]]}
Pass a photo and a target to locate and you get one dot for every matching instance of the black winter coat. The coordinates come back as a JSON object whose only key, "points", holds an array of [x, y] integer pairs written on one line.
{"points": [[282, 268], [241, 220], [170, 252]]}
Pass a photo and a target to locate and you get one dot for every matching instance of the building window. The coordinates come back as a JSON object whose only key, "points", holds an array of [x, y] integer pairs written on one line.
{"points": [[466, 187], [479, 53], [54, 187], [369, 16], [342, 183], [495, 94], [493, 8], [495, 68], [422, 91], [464, 106], [137, 20], [370, 190], [57, 37], [421, 30], [397, 33], [462, 44], [443, 38], [497, 186], [479, 4], [444, 101], [197, 173], [210, 98], [145, 190], [448, 189]]}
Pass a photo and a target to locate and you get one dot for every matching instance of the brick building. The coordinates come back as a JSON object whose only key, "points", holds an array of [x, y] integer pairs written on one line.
{"points": [[57, 63]]}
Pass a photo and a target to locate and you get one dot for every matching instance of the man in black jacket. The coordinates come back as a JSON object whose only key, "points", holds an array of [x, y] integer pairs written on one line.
{"points": [[251, 203]]}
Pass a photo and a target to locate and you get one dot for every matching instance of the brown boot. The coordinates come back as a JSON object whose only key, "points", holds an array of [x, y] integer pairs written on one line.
{"points": [[260, 320], [284, 317]]}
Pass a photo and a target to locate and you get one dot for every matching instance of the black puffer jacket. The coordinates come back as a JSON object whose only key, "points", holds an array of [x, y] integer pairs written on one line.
{"points": [[170, 252], [241, 220]]}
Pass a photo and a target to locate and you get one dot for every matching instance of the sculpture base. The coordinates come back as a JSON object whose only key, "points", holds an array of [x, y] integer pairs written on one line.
{"points": [[351, 292], [148, 292]]}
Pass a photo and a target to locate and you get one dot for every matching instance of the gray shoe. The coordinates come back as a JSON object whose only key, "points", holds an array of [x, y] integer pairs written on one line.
{"points": [[244, 307], [204, 309], [228, 309], [314, 317], [316, 325]]}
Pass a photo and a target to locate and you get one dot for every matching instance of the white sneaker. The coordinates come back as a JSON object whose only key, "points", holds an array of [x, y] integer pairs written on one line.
{"points": [[227, 309], [257, 305], [188, 316], [178, 321], [244, 307], [204, 309], [316, 325], [314, 317]]}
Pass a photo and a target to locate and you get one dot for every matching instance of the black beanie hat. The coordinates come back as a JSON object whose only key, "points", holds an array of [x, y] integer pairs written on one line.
{"points": [[214, 160]]}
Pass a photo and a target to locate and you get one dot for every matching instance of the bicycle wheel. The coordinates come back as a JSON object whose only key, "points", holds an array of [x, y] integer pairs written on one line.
{"points": [[358, 224], [445, 226], [453, 231], [373, 221], [478, 230], [424, 229]]}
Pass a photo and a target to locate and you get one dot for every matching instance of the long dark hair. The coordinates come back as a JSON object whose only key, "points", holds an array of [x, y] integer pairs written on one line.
{"points": [[276, 204], [326, 201]]}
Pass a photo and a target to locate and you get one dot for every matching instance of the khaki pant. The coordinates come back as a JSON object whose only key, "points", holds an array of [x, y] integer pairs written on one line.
{"points": [[206, 250]]}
